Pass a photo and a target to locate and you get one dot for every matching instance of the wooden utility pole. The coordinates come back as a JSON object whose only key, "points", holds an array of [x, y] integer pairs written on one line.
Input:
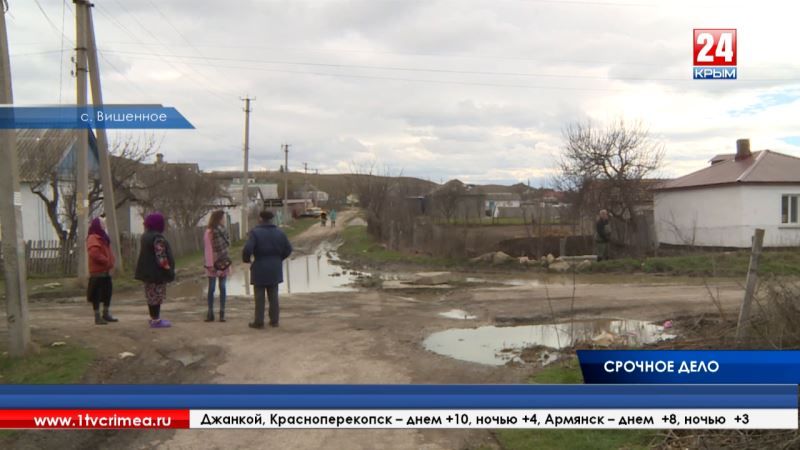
{"points": [[109, 202], [13, 246], [82, 147], [750, 290], [246, 173], [286, 183]]}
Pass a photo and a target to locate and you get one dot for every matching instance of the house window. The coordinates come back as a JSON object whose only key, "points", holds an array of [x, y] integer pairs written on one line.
{"points": [[789, 212]]}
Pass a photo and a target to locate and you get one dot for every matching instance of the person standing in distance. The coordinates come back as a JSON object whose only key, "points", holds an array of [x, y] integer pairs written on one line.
{"points": [[602, 235], [266, 248]]}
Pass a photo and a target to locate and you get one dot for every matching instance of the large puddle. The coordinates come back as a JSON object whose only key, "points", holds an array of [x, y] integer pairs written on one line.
{"points": [[498, 345], [315, 272]]}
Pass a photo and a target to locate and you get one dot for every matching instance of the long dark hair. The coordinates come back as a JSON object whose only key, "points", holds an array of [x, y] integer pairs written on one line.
{"points": [[216, 219]]}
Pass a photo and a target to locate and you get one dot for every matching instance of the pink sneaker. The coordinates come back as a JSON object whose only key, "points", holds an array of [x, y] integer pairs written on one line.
{"points": [[160, 323]]}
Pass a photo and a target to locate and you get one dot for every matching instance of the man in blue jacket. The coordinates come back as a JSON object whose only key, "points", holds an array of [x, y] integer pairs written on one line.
{"points": [[268, 246]]}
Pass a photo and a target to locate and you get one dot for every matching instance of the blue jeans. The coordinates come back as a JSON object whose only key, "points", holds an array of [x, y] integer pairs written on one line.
{"points": [[212, 283]]}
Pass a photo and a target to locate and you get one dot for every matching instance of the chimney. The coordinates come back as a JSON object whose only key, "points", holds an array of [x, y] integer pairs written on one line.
{"points": [[159, 158], [742, 149]]}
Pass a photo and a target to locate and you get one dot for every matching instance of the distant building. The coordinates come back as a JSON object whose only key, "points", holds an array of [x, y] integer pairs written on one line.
{"points": [[722, 204]]}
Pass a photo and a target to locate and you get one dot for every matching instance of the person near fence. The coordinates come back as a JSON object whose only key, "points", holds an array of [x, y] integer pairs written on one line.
{"points": [[101, 268], [602, 235], [217, 262], [333, 218], [267, 246], [155, 267]]}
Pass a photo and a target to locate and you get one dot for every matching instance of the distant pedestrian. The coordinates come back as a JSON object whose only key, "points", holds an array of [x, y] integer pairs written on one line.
{"points": [[323, 217], [101, 269], [217, 262], [602, 235], [156, 267], [333, 218], [267, 246]]}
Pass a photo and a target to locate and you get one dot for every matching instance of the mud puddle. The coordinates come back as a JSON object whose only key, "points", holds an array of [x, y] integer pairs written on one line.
{"points": [[497, 346], [319, 271], [457, 314]]}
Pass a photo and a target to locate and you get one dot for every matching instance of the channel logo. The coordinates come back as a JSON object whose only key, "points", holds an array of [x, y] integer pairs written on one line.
{"points": [[714, 54]]}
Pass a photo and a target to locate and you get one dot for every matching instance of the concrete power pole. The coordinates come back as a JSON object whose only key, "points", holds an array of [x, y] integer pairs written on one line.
{"points": [[19, 334], [82, 156], [246, 174], [286, 183], [109, 203]]}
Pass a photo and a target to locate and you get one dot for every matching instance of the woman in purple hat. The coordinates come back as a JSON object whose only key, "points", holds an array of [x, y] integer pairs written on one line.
{"points": [[156, 267]]}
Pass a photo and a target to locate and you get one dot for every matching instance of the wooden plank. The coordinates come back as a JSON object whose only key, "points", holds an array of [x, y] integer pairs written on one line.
{"points": [[752, 281]]}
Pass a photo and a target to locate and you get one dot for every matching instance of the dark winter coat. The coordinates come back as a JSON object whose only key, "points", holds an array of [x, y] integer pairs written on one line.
{"points": [[602, 231], [156, 263], [267, 246]]}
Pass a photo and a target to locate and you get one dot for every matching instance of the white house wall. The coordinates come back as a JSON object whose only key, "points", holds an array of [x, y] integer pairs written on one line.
{"points": [[35, 222], [702, 217], [724, 216], [762, 209]]}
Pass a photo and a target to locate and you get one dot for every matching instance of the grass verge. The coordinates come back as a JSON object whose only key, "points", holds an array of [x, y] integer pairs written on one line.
{"points": [[729, 264], [360, 247], [569, 372], [298, 226], [51, 365]]}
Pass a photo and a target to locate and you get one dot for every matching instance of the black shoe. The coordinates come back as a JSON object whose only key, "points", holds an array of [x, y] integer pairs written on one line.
{"points": [[222, 316], [209, 318], [108, 318], [274, 325], [258, 326], [99, 320]]}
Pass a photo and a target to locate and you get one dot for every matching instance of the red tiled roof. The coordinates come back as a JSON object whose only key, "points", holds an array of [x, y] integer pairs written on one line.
{"points": [[763, 166]]}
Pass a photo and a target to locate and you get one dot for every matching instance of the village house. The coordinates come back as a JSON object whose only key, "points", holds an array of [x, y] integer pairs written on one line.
{"points": [[47, 169], [722, 204]]}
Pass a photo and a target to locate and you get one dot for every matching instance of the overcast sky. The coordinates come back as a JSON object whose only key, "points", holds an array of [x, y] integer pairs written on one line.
{"points": [[472, 89]]}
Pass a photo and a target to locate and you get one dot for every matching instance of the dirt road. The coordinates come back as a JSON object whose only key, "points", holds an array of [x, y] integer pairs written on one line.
{"points": [[359, 336]]}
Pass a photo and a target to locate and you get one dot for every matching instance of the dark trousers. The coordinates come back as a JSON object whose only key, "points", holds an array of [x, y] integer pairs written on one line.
{"points": [[262, 293], [99, 291]]}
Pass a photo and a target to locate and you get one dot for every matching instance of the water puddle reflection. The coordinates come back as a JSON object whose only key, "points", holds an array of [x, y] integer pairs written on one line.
{"points": [[498, 345]]}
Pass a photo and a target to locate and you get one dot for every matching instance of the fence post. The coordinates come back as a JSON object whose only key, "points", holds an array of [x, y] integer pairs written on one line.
{"points": [[562, 247], [752, 280]]}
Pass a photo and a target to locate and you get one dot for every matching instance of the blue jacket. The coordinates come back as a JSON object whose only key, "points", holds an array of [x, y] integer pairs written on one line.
{"points": [[268, 246]]}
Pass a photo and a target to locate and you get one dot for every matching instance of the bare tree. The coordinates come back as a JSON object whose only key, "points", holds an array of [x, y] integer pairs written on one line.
{"points": [[58, 191], [182, 193], [447, 199], [373, 191], [606, 167]]}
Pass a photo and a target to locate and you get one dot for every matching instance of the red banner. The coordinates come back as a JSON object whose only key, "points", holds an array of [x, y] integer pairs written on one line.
{"points": [[91, 419]]}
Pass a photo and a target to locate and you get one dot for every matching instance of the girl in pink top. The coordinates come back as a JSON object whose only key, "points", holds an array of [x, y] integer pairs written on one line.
{"points": [[217, 262]]}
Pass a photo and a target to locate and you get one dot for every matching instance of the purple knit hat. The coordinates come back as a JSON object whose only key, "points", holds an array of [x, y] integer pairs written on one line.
{"points": [[155, 222], [96, 227]]}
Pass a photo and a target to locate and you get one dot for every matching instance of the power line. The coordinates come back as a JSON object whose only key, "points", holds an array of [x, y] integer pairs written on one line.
{"points": [[371, 77], [430, 70], [209, 85]]}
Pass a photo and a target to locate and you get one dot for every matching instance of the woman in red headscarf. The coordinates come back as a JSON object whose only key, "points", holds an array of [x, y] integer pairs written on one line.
{"points": [[101, 267]]}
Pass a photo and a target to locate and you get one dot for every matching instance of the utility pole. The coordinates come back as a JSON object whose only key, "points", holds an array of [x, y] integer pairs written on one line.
{"points": [[305, 168], [246, 177], [19, 334], [109, 203], [82, 156], [286, 183]]}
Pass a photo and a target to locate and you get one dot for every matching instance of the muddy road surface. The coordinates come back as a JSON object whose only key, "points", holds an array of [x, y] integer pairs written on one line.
{"points": [[342, 335]]}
